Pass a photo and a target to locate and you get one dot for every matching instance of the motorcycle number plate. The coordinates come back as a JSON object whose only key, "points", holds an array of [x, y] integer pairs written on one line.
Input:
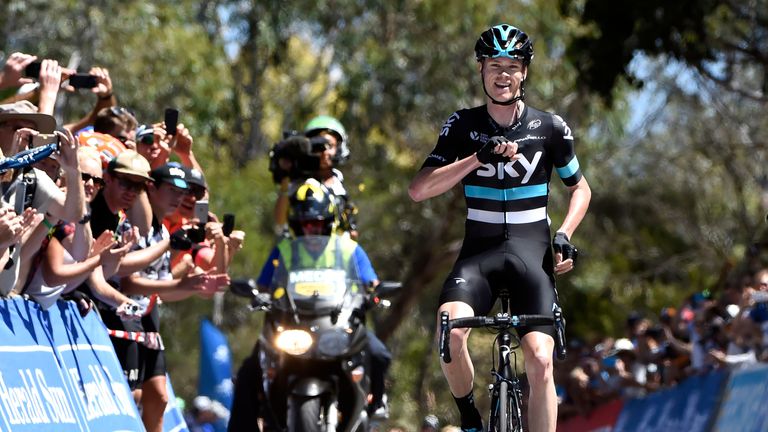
{"points": [[317, 283]]}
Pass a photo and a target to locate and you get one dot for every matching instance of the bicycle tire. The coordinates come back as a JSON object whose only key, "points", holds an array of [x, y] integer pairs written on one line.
{"points": [[503, 417]]}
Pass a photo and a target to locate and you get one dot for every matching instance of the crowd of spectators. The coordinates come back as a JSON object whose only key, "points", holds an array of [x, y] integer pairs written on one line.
{"points": [[105, 211], [703, 334]]}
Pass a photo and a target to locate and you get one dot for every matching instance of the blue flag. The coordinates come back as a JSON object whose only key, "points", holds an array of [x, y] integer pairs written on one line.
{"points": [[215, 377]]}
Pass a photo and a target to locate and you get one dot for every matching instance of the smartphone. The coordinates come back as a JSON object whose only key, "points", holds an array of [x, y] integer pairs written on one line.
{"points": [[21, 195], [229, 224], [32, 70], [171, 120], [43, 139], [201, 211], [83, 81]]}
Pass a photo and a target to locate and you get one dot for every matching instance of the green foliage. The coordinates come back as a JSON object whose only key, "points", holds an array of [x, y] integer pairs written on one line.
{"points": [[675, 194]]}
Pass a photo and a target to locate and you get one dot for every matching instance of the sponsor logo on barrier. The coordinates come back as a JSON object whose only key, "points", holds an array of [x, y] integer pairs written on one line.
{"points": [[102, 395], [35, 402]]}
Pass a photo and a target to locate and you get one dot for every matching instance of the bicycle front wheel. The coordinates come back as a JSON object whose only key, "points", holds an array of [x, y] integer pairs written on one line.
{"points": [[503, 419]]}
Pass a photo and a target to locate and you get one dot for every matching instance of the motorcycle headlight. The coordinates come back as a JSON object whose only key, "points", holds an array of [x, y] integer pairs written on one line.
{"points": [[294, 342]]}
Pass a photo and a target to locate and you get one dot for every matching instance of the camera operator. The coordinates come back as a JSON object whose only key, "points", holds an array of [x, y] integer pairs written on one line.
{"points": [[316, 154]]}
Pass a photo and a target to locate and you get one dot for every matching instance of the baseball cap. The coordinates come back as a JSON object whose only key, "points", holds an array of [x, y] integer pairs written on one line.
{"points": [[145, 132], [107, 145], [171, 173], [24, 110], [131, 163], [195, 177]]}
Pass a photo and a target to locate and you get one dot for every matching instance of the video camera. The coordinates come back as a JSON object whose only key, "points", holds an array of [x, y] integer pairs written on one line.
{"points": [[296, 156]]}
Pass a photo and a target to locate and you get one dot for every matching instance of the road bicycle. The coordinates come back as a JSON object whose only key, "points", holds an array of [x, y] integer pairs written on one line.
{"points": [[506, 392]]}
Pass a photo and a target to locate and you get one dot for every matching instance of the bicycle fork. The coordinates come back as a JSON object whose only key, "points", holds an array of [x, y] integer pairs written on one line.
{"points": [[505, 418]]}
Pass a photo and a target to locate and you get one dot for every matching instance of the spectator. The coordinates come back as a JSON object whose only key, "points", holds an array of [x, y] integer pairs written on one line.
{"points": [[69, 254], [153, 281], [204, 414], [18, 123]]}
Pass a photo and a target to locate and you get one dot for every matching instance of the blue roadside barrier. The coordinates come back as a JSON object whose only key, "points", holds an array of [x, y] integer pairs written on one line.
{"points": [[745, 401], [691, 406], [59, 372]]}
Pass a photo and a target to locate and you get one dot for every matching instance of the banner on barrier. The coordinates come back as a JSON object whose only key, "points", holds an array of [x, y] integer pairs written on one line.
{"points": [[173, 417], [59, 372], [601, 419], [746, 396], [691, 406]]}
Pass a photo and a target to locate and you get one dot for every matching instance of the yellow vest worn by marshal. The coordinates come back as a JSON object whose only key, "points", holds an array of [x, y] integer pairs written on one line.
{"points": [[336, 254]]}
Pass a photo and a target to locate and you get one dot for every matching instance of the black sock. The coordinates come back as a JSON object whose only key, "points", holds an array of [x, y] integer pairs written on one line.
{"points": [[470, 416]]}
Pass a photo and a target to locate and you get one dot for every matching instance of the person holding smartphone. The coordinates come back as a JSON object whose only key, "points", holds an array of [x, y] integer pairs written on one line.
{"points": [[18, 123]]}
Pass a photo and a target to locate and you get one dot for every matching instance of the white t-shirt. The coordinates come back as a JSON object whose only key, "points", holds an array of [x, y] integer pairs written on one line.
{"points": [[45, 191]]}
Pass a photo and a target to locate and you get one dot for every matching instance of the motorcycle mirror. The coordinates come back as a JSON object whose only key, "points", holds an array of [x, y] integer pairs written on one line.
{"points": [[388, 288], [243, 288]]}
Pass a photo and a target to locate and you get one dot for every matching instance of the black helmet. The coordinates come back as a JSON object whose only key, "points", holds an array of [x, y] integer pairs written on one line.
{"points": [[311, 202], [504, 40]]}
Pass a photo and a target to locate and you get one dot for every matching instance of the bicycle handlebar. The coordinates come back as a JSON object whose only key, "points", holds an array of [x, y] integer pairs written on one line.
{"points": [[500, 322]]}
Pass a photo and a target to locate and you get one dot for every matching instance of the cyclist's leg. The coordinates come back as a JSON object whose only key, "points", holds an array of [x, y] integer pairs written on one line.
{"points": [[459, 372], [536, 295], [538, 350], [466, 293]]}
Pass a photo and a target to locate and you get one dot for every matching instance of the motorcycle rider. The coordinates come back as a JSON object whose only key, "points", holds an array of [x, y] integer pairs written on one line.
{"points": [[312, 212]]}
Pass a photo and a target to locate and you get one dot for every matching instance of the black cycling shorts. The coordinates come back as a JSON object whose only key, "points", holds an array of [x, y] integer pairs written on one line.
{"points": [[484, 267], [139, 363]]}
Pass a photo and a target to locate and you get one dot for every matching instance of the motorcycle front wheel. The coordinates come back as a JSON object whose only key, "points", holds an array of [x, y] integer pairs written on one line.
{"points": [[306, 415]]}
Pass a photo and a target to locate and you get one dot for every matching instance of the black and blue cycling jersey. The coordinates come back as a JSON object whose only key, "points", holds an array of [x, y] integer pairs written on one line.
{"points": [[507, 238], [512, 192]]}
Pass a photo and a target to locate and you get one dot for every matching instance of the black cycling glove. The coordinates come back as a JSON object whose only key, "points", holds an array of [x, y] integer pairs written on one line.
{"points": [[486, 154], [562, 244]]}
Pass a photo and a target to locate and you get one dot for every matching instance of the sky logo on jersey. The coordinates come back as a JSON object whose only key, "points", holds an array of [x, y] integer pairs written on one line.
{"points": [[499, 170], [474, 136], [448, 123], [566, 129]]}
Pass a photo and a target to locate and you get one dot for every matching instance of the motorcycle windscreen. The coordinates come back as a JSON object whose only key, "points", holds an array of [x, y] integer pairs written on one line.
{"points": [[320, 281]]}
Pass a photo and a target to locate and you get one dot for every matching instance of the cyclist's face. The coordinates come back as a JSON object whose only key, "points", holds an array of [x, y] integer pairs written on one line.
{"points": [[502, 77]]}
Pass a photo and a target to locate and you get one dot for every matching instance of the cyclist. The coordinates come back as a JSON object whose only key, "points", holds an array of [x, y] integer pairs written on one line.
{"points": [[503, 153], [312, 212]]}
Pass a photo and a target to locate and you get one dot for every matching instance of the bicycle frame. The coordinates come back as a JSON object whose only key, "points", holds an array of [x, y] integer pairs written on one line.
{"points": [[506, 391]]}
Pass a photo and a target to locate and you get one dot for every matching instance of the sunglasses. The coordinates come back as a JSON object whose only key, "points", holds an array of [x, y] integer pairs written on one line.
{"points": [[131, 186], [147, 139], [313, 225], [196, 191], [97, 181]]}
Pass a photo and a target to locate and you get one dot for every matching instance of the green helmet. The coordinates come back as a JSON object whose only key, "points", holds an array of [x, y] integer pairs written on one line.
{"points": [[330, 124]]}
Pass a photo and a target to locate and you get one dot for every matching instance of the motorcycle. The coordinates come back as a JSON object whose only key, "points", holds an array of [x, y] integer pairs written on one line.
{"points": [[312, 348]]}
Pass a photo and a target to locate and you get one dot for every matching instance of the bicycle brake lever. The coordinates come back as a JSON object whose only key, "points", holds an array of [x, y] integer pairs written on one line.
{"points": [[560, 347], [445, 338]]}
